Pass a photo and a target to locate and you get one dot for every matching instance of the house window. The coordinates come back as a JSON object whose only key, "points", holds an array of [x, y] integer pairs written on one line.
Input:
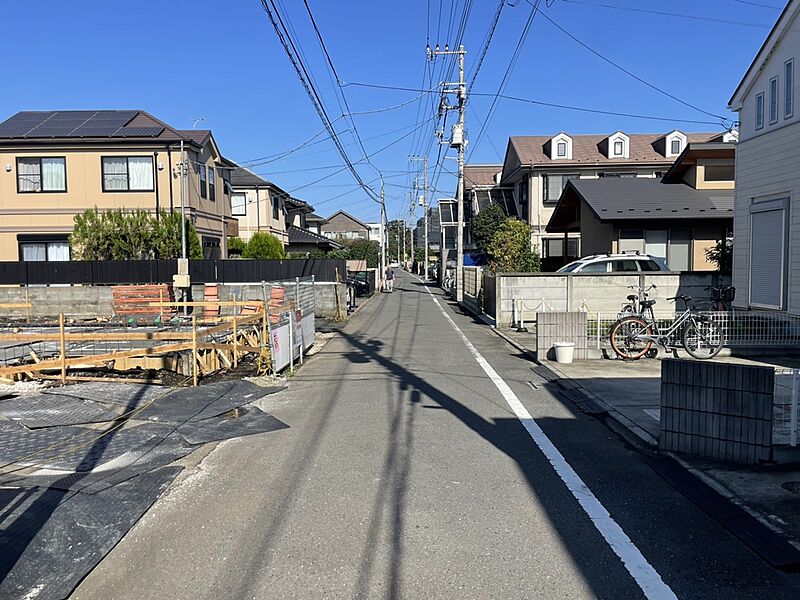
{"points": [[631, 240], [41, 174], [127, 173], [561, 149], [238, 204], [622, 175], [34, 248], [720, 172], [760, 110], [211, 247], [675, 147], [773, 100], [212, 191], [276, 209], [619, 148], [203, 191], [554, 248], [555, 184], [788, 89], [680, 250]]}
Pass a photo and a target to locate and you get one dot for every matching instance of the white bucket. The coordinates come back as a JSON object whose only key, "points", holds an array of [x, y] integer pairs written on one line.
{"points": [[565, 351]]}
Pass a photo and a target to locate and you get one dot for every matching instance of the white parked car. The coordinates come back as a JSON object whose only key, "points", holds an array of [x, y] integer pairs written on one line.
{"points": [[616, 263], [394, 264]]}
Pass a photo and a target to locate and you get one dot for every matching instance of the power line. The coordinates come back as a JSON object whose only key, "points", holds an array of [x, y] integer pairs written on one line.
{"points": [[507, 75], [488, 38], [758, 4], [667, 14], [627, 72]]}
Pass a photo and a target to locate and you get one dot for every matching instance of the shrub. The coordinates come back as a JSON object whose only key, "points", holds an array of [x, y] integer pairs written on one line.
{"points": [[510, 250], [264, 246]]}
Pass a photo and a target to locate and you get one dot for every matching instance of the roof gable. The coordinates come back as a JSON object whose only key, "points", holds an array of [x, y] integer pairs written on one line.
{"points": [[782, 26], [348, 216]]}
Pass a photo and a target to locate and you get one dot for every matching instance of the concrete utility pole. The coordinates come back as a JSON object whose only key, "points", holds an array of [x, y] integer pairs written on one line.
{"points": [[383, 232], [424, 203], [458, 140], [183, 202]]}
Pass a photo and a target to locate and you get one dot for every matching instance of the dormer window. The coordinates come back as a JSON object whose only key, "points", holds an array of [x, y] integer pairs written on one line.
{"points": [[618, 145], [561, 147], [674, 143]]}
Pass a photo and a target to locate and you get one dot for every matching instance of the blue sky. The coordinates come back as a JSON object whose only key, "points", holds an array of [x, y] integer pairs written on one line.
{"points": [[186, 60]]}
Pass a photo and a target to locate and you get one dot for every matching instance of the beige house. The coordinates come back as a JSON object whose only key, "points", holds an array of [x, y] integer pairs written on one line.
{"points": [[344, 226], [257, 204], [537, 168], [676, 218], [56, 164]]}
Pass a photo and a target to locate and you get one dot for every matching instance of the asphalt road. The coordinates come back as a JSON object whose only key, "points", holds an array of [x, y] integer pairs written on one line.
{"points": [[408, 473]]}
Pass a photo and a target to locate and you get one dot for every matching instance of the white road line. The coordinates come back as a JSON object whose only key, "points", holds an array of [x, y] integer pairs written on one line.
{"points": [[642, 571]]}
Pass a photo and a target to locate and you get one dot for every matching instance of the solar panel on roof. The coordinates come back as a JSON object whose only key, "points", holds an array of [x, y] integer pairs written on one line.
{"points": [[138, 132]]}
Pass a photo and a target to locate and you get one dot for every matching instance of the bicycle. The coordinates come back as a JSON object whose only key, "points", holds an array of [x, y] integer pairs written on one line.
{"points": [[633, 336], [722, 297]]}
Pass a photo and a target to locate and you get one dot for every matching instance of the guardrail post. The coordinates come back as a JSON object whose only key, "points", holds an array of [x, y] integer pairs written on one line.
{"points": [[793, 414], [235, 344], [195, 358]]}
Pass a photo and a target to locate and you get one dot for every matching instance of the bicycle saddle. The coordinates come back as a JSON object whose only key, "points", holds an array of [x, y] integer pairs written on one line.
{"points": [[633, 298]]}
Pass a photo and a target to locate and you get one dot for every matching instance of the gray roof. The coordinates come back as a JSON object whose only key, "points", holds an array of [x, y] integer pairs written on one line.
{"points": [[303, 236], [241, 177], [618, 199]]}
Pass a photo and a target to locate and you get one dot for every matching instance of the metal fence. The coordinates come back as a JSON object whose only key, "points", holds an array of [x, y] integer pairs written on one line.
{"points": [[741, 329], [114, 272]]}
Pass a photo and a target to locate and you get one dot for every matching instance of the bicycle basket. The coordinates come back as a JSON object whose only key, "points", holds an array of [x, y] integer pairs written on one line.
{"points": [[723, 294]]}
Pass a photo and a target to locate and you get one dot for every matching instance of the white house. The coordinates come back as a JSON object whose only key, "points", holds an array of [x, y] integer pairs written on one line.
{"points": [[766, 261]]}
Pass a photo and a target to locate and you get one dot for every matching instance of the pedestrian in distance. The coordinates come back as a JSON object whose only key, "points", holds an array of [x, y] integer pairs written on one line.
{"points": [[389, 279]]}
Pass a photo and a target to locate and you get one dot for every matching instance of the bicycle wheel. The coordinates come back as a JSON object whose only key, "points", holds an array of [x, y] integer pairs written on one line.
{"points": [[702, 338], [626, 338]]}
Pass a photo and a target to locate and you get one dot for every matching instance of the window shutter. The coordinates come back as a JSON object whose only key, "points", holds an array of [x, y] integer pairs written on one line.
{"points": [[767, 257]]}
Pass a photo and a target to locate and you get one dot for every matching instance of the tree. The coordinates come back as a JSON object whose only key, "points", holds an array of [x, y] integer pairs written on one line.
{"points": [[510, 249], [721, 254], [167, 238], [131, 235], [264, 246], [486, 224], [235, 246], [369, 250]]}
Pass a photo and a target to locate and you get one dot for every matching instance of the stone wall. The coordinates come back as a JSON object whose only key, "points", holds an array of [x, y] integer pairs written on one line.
{"points": [[717, 410]]}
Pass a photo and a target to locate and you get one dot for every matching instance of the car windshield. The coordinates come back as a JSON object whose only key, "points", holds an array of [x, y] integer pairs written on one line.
{"points": [[570, 267]]}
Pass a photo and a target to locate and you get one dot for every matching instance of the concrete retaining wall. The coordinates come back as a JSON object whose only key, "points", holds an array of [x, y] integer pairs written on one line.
{"points": [[717, 410], [542, 292], [96, 301]]}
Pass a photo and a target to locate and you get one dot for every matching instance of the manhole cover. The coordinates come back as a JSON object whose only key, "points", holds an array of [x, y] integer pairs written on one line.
{"points": [[792, 486]]}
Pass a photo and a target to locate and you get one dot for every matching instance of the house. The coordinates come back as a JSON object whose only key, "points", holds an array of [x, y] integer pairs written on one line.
{"points": [[257, 204], [314, 223], [57, 164], [296, 212], [434, 230], [766, 234], [677, 218], [375, 231], [306, 241], [343, 226], [538, 168]]}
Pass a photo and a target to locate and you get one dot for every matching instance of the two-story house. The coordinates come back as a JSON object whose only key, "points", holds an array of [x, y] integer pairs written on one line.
{"points": [[539, 167], [677, 218], [56, 164], [343, 226], [257, 204], [766, 236]]}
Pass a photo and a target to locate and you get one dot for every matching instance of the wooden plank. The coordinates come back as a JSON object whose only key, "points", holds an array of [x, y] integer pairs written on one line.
{"points": [[120, 336], [207, 303], [15, 305], [109, 379]]}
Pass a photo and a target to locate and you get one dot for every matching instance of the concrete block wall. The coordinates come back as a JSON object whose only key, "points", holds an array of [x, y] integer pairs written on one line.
{"points": [[717, 410], [593, 293], [552, 327], [86, 301], [473, 281]]}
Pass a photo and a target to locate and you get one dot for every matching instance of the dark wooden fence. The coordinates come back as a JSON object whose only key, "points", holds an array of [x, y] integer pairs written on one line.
{"points": [[161, 271]]}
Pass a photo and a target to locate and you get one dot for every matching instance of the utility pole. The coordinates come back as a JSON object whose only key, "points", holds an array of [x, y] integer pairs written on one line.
{"points": [[383, 233], [424, 203], [458, 140]]}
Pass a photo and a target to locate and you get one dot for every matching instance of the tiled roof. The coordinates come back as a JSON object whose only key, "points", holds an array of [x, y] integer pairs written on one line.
{"points": [[615, 199], [480, 175], [591, 149], [241, 177], [303, 236]]}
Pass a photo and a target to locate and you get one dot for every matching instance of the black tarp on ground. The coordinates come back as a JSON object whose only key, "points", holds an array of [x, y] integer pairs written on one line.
{"points": [[74, 491], [52, 538]]}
